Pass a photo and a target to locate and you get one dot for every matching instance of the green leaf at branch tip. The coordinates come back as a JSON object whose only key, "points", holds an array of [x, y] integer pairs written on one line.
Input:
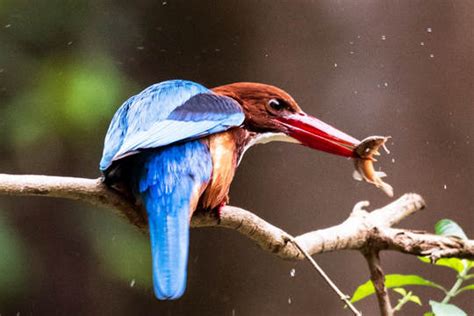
{"points": [[401, 291], [443, 309], [454, 263], [465, 288], [469, 276], [447, 227], [415, 299], [407, 295], [392, 281]]}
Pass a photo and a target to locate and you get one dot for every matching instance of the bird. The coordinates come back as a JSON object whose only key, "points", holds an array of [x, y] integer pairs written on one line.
{"points": [[175, 146]]}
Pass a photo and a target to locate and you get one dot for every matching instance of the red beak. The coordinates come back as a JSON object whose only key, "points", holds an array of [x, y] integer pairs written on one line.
{"points": [[318, 135]]}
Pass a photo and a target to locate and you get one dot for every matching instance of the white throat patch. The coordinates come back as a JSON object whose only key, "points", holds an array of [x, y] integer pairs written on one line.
{"points": [[266, 138]]}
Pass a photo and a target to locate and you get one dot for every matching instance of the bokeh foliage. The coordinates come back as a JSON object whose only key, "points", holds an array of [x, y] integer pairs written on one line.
{"points": [[59, 86]]}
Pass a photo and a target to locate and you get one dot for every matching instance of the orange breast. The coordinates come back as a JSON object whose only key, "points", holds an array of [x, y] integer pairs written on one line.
{"points": [[224, 161]]}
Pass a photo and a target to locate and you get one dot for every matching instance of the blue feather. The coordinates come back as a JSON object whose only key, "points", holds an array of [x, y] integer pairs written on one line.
{"points": [[165, 176], [166, 113], [166, 182]]}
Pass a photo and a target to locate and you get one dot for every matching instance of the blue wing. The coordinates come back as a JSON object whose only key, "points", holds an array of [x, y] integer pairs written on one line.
{"points": [[167, 180], [166, 113]]}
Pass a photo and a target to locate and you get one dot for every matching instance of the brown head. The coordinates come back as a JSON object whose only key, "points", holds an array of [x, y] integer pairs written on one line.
{"points": [[272, 111]]}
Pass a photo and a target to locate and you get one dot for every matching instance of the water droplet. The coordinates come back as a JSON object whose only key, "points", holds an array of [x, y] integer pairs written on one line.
{"points": [[378, 85], [69, 43], [289, 300], [217, 50], [385, 84], [358, 36], [292, 272], [140, 47], [383, 37], [429, 29], [445, 187], [431, 55], [351, 43], [164, 3], [422, 43], [356, 92], [351, 52], [335, 65], [7, 25], [233, 312], [393, 160], [266, 55], [1, 70], [132, 283]]}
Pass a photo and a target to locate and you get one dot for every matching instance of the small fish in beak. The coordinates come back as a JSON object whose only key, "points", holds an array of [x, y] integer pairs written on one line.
{"points": [[364, 163]]}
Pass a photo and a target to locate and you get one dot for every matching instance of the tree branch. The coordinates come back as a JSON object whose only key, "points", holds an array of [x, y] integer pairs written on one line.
{"points": [[360, 228], [367, 232]]}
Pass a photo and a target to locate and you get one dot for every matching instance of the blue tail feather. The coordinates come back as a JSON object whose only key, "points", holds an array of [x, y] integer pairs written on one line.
{"points": [[169, 234], [166, 181]]}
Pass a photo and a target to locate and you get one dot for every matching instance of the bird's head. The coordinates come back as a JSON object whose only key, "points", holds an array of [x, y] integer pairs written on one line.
{"points": [[273, 112]]}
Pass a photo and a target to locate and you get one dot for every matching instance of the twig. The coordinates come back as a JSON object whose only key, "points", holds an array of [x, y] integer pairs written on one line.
{"points": [[326, 278], [457, 285], [401, 302], [378, 280]]}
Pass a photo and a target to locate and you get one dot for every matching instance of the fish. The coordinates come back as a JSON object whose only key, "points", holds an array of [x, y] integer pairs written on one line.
{"points": [[364, 163]]}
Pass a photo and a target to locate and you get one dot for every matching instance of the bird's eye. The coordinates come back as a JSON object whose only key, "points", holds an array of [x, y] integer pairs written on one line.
{"points": [[277, 105]]}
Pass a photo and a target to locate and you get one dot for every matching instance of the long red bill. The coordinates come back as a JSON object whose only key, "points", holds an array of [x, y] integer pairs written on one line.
{"points": [[318, 135]]}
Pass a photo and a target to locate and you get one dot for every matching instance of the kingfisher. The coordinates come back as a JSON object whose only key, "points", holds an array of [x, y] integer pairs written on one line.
{"points": [[176, 145]]}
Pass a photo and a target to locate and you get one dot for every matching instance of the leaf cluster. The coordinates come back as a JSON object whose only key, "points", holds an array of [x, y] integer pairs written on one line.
{"points": [[398, 282]]}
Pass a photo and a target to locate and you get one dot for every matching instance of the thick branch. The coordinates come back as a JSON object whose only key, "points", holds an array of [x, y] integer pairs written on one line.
{"points": [[354, 233], [87, 190]]}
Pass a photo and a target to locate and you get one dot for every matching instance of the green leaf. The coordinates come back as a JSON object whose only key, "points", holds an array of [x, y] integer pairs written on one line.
{"points": [[391, 281], [465, 288], [469, 276], [415, 299], [453, 263], [400, 291], [447, 227], [470, 263], [442, 309]]}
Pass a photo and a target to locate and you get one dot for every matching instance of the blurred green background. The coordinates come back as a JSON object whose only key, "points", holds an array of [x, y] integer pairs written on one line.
{"points": [[399, 68]]}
